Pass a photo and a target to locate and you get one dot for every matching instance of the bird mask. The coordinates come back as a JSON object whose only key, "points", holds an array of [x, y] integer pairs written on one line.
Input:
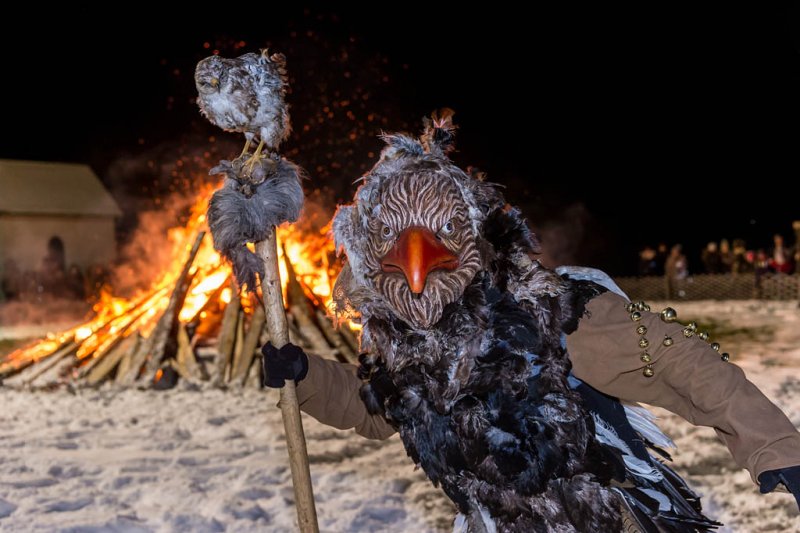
{"points": [[413, 234]]}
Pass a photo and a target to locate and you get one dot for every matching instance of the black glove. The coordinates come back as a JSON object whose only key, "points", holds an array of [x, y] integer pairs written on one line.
{"points": [[290, 362], [790, 477]]}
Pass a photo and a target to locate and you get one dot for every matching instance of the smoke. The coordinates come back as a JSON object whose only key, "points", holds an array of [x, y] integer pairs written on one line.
{"points": [[567, 239], [44, 311], [148, 252]]}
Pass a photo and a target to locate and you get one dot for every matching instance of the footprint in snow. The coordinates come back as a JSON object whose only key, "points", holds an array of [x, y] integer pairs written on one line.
{"points": [[63, 506], [30, 483], [6, 508]]}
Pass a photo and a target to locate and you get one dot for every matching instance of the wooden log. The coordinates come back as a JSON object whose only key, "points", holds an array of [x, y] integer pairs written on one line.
{"points": [[12, 363], [29, 375], [252, 378], [227, 335], [124, 326], [237, 348], [55, 374], [343, 351], [301, 309], [111, 360], [249, 346], [186, 363], [152, 350], [168, 323], [267, 250], [126, 361]]}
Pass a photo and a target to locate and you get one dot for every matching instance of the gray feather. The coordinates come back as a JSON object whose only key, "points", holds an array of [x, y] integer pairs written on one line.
{"points": [[246, 94], [242, 212]]}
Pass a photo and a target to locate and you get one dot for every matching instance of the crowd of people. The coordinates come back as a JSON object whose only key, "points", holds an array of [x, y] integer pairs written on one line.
{"points": [[723, 257]]}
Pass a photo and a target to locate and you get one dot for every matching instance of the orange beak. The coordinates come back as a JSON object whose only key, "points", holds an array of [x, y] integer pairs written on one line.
{"points": [[416, 254]]}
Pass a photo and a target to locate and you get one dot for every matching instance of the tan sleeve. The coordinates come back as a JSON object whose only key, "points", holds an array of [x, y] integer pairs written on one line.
{"points": [[689, 379], [330, 393]]}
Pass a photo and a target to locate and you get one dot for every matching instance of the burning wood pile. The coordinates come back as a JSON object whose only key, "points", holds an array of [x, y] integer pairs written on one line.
{"points": [[192, 324]]}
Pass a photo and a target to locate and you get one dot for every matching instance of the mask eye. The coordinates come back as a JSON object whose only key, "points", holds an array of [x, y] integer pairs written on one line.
{"points": [[448, 228], [386, 232]]}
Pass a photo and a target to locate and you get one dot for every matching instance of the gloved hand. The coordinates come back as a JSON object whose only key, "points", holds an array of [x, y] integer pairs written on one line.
{"points": [[290, 362], [789, 476]]}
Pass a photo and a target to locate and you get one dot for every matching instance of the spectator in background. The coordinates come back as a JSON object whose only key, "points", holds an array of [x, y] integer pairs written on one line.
{"points": [[741, 263], [725, 256], [780, 258], [647, 261], [676, 268], [712, 262], [760, 267], [796, 228]]}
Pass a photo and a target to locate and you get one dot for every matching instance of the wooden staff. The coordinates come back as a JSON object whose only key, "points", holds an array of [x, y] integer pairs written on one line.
{"points": [[278, 329]]}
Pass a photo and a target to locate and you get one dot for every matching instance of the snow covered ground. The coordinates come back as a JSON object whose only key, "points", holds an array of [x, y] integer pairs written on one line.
{"points": [[212, 460]]}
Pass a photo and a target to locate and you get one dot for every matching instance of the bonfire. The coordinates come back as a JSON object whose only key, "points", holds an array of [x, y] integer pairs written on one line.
{"points": [[192, 323]]}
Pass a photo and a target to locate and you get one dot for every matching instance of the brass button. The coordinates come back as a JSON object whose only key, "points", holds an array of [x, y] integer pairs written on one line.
{"points": [[641, 330], [648, 371], [668, 341]]}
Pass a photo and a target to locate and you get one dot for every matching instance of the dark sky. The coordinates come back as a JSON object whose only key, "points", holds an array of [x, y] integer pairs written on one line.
{"points": [[612, 128]]}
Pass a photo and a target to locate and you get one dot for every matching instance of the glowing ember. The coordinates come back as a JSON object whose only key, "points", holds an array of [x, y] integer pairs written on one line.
{"points": [[226, 295], [83, 333]]}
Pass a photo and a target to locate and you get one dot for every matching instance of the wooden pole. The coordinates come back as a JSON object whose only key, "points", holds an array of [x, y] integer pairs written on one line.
{"points": [[267, 250], [242, 366]]}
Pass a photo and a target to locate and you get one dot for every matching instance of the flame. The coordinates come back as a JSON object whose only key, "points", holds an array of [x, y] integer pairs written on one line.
{"points": [[116, 318], [309, 255]]}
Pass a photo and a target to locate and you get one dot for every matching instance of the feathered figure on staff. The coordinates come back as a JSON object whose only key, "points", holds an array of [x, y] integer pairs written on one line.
{"points": [[247, 95]]}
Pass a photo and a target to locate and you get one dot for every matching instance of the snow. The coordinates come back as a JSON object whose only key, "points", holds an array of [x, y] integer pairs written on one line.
{"points": [[209, 460]]}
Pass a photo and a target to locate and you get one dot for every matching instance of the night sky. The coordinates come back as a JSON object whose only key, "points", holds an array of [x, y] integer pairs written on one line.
{"points": [[612, 129]]}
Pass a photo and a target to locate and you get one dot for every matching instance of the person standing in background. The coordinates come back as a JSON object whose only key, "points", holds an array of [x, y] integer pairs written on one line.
{"points": [[676, 268]]}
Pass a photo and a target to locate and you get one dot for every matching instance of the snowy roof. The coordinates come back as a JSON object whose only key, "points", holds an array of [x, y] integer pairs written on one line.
{"points": [[34, 187]]}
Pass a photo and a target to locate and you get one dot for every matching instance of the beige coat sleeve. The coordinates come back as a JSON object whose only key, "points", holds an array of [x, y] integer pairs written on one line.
{"points": [[330, 393], [689, 378]]}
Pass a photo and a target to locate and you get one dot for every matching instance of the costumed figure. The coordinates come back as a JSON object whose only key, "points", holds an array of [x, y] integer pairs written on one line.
{"points": [[511, 385]]}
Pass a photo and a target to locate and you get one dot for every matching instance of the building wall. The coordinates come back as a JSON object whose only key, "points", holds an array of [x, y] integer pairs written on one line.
{"points": [[87, 240]]}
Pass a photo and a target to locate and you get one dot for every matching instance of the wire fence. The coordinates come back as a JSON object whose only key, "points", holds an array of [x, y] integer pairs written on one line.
{"points": [[713, 287]]}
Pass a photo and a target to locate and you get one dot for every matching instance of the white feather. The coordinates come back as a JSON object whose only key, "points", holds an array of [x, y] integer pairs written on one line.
{"points": [[591, 274], [643, 421], [608, 436]]}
